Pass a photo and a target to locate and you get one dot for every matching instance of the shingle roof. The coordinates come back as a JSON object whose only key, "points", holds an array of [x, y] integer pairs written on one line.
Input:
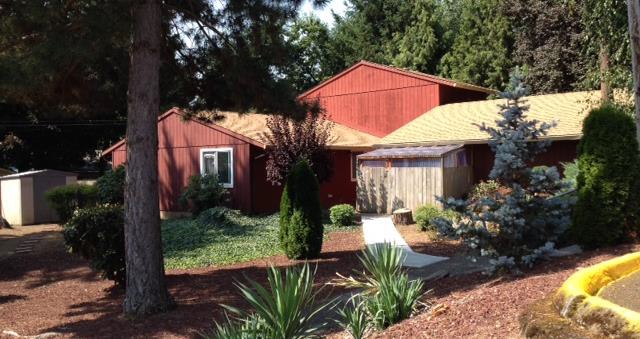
{"points": [[457, 123], [254, 126], [409, 152]]}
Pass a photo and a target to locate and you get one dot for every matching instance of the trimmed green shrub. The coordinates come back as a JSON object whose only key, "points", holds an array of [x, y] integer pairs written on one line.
{"points": [[111, 186], [342, 215], [608, 181], [425, 215], [67, 199], [202, 192], [97, 234], [301, 227]]}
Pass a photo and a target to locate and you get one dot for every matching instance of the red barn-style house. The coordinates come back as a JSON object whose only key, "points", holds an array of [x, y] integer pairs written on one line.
{"points": [[366, 102]]}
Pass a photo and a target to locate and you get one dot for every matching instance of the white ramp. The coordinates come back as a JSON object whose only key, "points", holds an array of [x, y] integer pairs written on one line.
{"points": [[379, 229]]}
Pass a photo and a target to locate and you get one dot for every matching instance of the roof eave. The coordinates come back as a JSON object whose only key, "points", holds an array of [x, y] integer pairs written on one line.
{"points": [[468, 141]]}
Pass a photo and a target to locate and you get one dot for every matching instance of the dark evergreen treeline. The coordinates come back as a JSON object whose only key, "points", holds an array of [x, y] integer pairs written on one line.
{"points": [[63, 63]]}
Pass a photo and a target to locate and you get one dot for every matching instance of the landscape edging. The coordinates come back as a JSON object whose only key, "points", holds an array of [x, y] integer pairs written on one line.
{"points": [[578, 298]]}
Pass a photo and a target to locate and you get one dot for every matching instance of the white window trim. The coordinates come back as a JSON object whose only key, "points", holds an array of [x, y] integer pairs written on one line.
{"points": [[219, 149]]}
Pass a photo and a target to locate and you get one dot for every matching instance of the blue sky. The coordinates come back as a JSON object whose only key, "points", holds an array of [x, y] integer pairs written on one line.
{"points": [[324, 14]]}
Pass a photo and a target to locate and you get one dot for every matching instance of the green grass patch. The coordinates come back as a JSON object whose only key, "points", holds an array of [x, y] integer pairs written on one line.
{"points": [[220, 236]]}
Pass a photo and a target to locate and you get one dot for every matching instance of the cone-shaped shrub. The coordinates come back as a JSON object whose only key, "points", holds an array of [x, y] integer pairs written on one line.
{"points": [[301, 226], [608, 182]]}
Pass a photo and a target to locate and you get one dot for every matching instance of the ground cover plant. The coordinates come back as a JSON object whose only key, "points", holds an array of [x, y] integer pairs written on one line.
{"points": [[221, 236], [519, 222], [608, 181], [218, 236], [342, 215]]}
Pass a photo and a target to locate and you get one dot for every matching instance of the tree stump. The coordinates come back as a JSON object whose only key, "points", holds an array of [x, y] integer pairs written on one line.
{"points": [[402, 216]]}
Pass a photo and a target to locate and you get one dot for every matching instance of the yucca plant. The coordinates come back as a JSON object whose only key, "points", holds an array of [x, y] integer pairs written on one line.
{"points": [[389, 295], [284, 311], [354, 318]]}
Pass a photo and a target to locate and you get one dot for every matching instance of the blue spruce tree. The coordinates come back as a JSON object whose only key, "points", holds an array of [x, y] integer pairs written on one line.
{"points": [[518, 223]]}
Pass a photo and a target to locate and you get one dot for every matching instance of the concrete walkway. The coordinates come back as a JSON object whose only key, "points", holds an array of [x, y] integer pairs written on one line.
{"points": [[379, 229]]}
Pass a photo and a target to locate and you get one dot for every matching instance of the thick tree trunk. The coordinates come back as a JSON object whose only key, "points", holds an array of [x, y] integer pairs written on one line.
{"points": [[146, 291], [605, 91], [402, 216], [634, 32]]}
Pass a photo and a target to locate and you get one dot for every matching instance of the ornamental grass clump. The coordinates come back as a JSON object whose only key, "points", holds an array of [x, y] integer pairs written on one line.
{"points": [[286, 309], [387, 295], [517, 220]]}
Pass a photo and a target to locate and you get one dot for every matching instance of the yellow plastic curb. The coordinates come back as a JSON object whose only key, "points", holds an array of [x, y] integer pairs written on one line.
{"points": [[578, 298]]}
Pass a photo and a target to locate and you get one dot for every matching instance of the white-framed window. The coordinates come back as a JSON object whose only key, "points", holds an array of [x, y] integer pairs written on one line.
{"points": [[218, 161], [354, 165]]}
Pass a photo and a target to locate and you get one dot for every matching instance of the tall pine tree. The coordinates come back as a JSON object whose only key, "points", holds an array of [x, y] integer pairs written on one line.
{"points": [[481, 51]]}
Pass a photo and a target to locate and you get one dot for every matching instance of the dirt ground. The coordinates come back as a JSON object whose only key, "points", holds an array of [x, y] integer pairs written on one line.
{"points": [[53, 291], [477, 306]]}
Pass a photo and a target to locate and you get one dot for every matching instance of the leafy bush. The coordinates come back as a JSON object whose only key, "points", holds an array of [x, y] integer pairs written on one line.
{"points": [[202, 192], [111, 186], [608, 183], [483, 189], [67, 199], [519, 216], [426, 214], [388, 294], [342, 215], [287, 309], [97, 234], [570, 174], [301, 228]]}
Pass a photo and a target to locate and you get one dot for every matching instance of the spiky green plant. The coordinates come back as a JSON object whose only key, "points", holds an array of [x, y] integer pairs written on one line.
{"points": [[354, 318], [286, 310], [389, 296]]}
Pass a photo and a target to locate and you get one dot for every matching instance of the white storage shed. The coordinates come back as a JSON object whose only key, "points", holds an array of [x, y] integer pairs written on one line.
{"points": [[22, 195]]}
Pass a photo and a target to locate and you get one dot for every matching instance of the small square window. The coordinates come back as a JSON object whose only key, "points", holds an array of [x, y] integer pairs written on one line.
{"points": [[218, 161]]}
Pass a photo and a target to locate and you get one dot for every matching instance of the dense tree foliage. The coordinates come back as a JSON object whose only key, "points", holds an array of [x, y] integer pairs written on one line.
{"points": [[294, 140], [549, 43]]}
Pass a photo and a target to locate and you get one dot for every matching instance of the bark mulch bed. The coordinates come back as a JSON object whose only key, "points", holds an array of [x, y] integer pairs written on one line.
{"points": [[57, 292], [477, 306], [429, 242]]}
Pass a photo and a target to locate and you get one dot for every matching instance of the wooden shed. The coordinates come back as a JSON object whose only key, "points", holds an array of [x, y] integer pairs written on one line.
{"points": [[391, 178]]}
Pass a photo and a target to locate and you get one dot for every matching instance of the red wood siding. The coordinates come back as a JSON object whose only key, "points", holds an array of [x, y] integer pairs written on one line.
{"points": [[374, 100], [179, 145], [558, 152], [378, 100], [338, 190]]}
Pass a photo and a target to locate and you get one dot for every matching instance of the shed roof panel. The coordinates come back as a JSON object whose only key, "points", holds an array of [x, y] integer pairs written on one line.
{"points": [[409, 152]]}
